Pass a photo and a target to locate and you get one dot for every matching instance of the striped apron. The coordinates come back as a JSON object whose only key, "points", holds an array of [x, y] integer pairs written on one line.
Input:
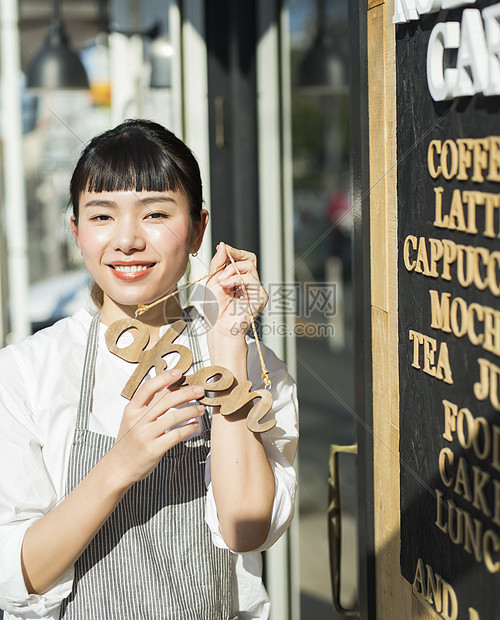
{"points": [[153, 558]]}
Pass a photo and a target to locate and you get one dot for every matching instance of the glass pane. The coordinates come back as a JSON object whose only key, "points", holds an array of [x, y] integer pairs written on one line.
{"points": [[320, 136]]}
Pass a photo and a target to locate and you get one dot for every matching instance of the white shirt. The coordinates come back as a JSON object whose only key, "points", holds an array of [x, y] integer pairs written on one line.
{"points": [[39, 392]]}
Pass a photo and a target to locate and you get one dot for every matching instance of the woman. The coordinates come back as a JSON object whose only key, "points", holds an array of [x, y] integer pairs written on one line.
{"points": [[152, 508]]}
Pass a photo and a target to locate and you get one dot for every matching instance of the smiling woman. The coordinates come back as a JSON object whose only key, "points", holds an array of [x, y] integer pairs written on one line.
{"points": [[157, 495]]}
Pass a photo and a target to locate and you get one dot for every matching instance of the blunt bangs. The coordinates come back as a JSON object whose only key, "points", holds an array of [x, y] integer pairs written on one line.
{"points": [[138, 156], [130, 163]]}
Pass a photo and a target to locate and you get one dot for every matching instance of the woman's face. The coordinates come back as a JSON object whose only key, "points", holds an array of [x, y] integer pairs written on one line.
{"points": [[136, 244]]}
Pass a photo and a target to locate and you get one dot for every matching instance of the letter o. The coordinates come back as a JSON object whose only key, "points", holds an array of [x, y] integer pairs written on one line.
{"points": [[481, 423], [449, 171], [459, 331], [466, 443]]}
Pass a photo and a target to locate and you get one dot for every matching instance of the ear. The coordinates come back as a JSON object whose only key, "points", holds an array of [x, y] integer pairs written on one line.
{"points": [[74, 230], [199, 230]]}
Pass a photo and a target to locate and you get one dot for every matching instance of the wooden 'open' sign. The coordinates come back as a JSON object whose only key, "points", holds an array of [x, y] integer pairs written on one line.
{"points": [[235, 396]]}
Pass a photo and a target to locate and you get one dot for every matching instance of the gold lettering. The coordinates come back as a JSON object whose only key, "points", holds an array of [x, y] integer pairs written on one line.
{"points": [[410, 265], [445, 454], [430, 346], [464, 157], [465, 441], [465, 254], [439, 220], [492, 330], [462, 482], [417, 341], [434, 146], [442, 370], [457, 217], [433, 589], [456, 536], [443, 364], [473, 531], [495, 463], [459, 330], [490, 202], [449, 170], [422, 259], [480, 159], [450, 602], [450, 422], [481, 387], [492, 274], [494, 167], [480, 281], [418, 581], [439, 512], [481, 479], [491, 536], [436, 246], [472, 198], [496, 502], [481, 429], [449, 257], [475, 338], [488, 382], [440, 311]]}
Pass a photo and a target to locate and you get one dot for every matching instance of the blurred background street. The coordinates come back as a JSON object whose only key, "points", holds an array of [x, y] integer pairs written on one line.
{"points": [[259, 90]]}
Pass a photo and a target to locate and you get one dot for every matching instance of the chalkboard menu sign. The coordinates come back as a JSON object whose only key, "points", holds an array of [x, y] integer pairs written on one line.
{"points": [[448, 188]]}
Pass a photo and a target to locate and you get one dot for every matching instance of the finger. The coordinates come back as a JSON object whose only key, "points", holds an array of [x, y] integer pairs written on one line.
{"points": [[166, 441], [219, 258], [168, 399], [149, 388], [173, 417], [234, 283], [243, 267], [241, 254]]}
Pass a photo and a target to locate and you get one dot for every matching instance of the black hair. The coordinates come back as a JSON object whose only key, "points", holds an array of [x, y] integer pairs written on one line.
{"points": [[138, 155]]}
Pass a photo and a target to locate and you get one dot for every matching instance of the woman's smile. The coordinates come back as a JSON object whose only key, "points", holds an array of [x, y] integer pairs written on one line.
{"points": [[131, 271]]}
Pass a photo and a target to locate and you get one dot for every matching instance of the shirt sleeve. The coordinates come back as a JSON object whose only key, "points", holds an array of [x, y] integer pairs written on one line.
{"points": [[280, 444], [26, 494]]}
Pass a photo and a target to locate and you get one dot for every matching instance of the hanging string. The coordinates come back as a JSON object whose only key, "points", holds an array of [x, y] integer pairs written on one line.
{"points": [[142, 308], [265, 372]]}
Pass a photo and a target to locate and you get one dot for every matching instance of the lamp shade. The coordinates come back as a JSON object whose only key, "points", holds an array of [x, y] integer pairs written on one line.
{"points": [[56, 65]]}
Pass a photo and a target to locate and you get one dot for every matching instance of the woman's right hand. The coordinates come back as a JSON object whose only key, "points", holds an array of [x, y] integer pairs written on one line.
{"points": [[147, 428]]}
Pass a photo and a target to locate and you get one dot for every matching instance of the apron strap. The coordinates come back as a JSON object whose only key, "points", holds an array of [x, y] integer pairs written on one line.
{"points": [[88, 375]]}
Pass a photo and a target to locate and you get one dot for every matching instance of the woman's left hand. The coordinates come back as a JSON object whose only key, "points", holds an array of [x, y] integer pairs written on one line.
{"points": [[234, 318]]}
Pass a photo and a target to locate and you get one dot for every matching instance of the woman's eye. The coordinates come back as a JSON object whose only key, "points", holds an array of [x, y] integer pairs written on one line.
{"points": [[100, 218], [155, 215]]}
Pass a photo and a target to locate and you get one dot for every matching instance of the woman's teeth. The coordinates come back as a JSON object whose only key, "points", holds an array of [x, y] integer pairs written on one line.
{"points": [[131, 268]]}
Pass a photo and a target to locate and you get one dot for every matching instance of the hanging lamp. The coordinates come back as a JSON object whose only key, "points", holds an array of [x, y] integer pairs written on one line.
{"points": [[56, 65]]}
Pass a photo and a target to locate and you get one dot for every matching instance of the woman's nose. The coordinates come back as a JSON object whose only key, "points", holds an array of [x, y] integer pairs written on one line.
{"points": [[128, 237]]}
